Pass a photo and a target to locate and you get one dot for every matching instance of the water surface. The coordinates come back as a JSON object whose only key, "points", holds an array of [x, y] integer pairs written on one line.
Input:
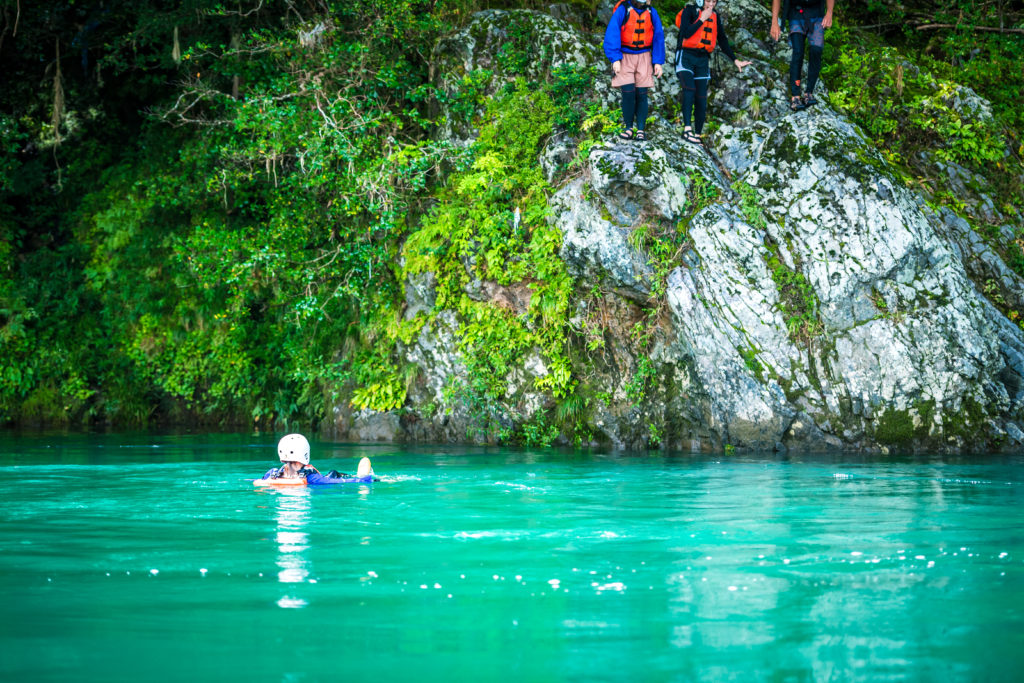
{"points": [[151, 557]]}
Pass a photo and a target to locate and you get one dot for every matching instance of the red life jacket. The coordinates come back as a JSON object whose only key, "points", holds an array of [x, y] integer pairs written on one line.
{"points": [[706, 36], [637, 30]]}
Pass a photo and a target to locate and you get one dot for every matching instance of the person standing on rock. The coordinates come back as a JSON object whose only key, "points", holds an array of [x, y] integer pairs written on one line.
{"points": [[634, 43], [807, 21], [700, 29]]}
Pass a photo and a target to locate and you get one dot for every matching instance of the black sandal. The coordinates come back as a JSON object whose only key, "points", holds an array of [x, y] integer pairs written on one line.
{"points": [[626, 134], [690, 136], [640, 135], [809, 100], [797, 104]]}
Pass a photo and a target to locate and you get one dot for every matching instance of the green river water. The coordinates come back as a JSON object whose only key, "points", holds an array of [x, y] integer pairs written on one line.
{"points": [[151, 557]]}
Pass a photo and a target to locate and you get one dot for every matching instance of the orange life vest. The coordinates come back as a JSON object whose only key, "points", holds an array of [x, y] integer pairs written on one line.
{"points": [[706, 36], [637, 30]]}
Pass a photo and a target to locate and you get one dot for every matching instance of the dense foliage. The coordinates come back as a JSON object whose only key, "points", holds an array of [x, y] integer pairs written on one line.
{"points": [[222, 261], [206, 211]]}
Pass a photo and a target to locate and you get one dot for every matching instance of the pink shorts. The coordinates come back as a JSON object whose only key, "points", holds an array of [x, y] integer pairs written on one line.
{"points": [[635, 69]]}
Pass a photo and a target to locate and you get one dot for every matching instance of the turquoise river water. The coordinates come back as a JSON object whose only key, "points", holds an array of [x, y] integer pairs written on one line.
{"points": [[151, 557]]}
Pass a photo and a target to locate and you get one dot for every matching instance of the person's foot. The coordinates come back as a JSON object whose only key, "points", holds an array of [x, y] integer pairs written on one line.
{"points": [[640, 137], [797, 104], [626, 134], [690, 136], [365, 470], [809, 99]]}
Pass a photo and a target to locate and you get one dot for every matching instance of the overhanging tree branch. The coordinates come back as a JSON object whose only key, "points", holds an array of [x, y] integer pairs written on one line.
{"points": [[991, 29]]}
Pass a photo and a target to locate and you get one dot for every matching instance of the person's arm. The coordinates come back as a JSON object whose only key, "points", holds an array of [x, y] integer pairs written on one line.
{"points": [[613, 38], [723, 42], [689, 24], [775, 31], [658, 49], [317, 479], [827, 21]]}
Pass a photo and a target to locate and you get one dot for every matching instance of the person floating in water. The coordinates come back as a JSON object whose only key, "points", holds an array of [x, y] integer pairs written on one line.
{"points": [[293, 452]]}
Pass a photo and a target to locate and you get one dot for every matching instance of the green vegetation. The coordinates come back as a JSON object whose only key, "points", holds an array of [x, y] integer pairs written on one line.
{"points": [[238, 261], [904, 80], [797, 298], [207, 212], [901, 428], [473, 234]]}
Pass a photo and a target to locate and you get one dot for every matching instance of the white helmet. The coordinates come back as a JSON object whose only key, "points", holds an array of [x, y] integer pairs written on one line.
{"points": [[293, 448]]}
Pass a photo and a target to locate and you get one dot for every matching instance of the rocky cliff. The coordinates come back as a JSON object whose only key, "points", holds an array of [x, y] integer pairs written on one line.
{"points": [[782, 289]]}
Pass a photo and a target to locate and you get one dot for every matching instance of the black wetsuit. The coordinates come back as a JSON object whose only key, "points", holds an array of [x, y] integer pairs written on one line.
{"points": [[693, 67]]}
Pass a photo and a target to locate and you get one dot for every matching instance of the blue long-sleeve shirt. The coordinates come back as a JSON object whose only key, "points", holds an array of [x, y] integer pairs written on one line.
{"points": [[613, 48], [314, 478]]}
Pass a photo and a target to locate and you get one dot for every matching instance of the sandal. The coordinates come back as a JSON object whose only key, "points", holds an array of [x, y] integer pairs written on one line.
{"points": [[626, 134], [690, 136], [796, 104], [640, 135], [809, 99]]}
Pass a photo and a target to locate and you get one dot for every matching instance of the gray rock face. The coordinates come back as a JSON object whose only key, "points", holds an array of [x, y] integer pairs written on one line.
{"points": [[815, 303], [859, 238], [594, 246]]}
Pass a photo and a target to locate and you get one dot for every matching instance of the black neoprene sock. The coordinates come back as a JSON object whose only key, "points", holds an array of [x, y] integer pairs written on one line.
{"points": [[641, 107], [701, 111], [813, 66], [628, 105], [796, 63], [686, 96]]}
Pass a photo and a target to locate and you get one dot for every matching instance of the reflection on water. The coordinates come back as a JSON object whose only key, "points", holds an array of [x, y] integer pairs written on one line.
{"points": [[292, 542]]}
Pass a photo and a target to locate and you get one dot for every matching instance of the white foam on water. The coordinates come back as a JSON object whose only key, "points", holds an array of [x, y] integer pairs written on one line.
{"points": [[516, 485], [616, 586]]}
